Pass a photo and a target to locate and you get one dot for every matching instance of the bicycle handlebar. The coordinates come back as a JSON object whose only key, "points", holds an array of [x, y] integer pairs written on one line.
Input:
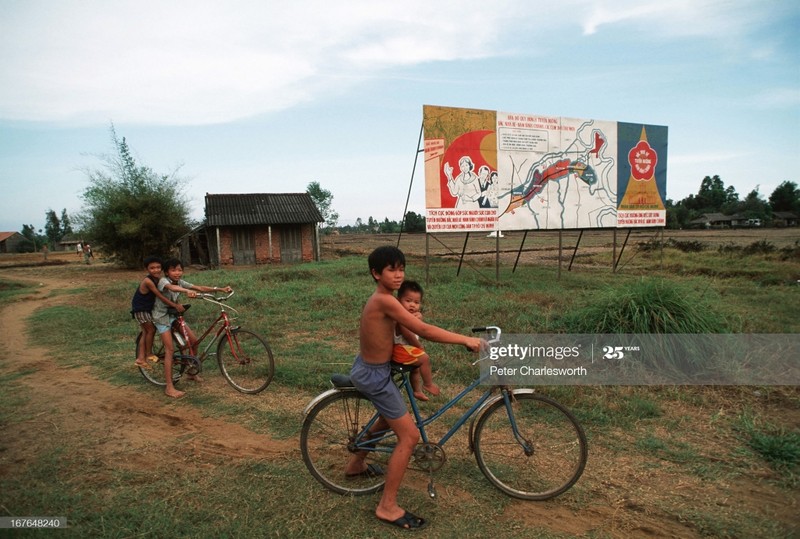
{"points": [[493, 334]]}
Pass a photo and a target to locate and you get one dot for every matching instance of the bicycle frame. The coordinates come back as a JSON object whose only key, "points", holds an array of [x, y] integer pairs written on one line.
{"points": [[366, 440], [362, 442], [225, 328]]}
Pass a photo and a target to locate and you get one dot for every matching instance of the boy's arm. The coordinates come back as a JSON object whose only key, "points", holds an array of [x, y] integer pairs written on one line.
{"points": [[178, 288], [394, 310], [409, 336], [209, 289], [154, 289]]}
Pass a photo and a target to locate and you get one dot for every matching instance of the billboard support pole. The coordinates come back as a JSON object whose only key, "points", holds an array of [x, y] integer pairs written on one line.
{"points": [[427, 259], [410, 184], [519, 252], [463, 250], [614, 253], [622, 250], [497, 257], [575, 251]]}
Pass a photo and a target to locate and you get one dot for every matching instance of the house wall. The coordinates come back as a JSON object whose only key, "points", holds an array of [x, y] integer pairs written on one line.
{"points": [[10, 244], [261, 237], [308, 243]]}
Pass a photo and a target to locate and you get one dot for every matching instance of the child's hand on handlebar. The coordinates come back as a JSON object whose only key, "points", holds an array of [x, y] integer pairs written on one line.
{"points": [[192, 294], [476, 344]]}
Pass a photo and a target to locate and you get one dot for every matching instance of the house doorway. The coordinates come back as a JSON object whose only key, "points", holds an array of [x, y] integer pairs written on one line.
{"points": [[291, 245], [244, 251]]}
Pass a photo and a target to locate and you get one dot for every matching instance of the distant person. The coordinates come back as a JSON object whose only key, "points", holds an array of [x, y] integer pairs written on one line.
{"points": [[86, 253], [407, 348], [79, 249]]}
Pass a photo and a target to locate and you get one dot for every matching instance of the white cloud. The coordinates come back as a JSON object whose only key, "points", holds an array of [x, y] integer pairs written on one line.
{"points": [[195, 62], [200, 62]]}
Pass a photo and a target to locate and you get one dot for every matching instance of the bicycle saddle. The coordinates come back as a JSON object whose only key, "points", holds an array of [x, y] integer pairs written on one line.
{"points": [[341, 380], [175, 312]]}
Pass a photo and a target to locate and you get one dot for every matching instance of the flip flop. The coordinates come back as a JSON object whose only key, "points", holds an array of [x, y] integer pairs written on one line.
{"points": [[144, 365], [408, 521], [372, 470]]}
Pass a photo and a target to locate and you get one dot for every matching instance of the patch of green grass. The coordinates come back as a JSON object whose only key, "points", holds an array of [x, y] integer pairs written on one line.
{"points": [[12, 289], [778, 446], [648, 306]]}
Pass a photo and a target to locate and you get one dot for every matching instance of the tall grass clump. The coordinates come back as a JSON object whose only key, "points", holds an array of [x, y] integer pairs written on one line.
{"points": [[647, 306]]}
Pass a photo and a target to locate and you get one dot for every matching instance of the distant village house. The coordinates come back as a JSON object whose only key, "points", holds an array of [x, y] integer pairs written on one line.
{"points": [[255, 228]]}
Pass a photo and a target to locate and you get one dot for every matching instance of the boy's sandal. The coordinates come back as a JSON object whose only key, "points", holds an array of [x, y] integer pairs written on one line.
{"points": [[143, 365], [152, 359], [408, 521]]}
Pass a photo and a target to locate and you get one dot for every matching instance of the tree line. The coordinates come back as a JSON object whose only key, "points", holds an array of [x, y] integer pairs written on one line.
{"points": [[714, 197], [131, 211]]}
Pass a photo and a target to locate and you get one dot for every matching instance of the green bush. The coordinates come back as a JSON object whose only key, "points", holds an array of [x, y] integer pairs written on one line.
{"points": [[647, 306]]}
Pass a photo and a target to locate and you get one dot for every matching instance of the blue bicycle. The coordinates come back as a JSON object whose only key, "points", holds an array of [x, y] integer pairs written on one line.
{"points": [[527, 445]]}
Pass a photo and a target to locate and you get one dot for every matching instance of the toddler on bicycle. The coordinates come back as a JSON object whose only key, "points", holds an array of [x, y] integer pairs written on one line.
{"points": [[407, 348], [172, 285], [371, 375], [142, 303]]}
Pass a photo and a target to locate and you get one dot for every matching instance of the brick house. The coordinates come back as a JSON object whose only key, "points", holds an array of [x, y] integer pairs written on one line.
{"points": [[255, 228], [10, 241]]}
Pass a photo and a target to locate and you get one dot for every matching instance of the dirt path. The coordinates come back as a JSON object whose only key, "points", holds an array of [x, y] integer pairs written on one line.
{"points": [[125, 422]]}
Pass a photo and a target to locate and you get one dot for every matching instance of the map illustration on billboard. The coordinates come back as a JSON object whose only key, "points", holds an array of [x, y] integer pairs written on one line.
{"points": [[487, 170]]}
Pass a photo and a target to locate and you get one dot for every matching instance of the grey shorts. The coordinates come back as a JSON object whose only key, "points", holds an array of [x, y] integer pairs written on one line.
{"points": [[375, 382]]}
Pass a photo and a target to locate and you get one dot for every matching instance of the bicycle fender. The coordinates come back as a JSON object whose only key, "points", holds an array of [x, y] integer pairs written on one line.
{"points": [[480, 411], [325, 394]]}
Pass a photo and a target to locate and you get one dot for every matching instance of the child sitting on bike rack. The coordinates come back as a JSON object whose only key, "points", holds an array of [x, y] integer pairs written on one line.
{"points": [[407, 348], [171, 286], [142, 310]]}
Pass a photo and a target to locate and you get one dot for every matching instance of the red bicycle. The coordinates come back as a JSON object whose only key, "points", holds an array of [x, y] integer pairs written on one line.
{"points": [[244, 357]]}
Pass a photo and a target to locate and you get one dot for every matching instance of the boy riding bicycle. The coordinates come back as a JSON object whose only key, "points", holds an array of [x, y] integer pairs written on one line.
{"points": [[371, 375], [171, 286]]}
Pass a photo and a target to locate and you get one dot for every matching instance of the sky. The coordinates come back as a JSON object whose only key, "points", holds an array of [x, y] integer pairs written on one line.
{"points": [[266, 96]]}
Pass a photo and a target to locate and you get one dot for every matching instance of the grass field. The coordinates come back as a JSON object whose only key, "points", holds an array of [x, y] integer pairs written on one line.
{"points": [[664, 461]]}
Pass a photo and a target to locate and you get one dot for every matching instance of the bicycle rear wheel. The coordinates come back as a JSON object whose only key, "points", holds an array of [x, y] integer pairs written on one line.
{"points": [[246, 361], [155, 375], [327, 441], [556, 447]]}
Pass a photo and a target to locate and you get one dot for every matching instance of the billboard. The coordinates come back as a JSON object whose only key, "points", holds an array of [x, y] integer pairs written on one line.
{"points": [[488, 170]]}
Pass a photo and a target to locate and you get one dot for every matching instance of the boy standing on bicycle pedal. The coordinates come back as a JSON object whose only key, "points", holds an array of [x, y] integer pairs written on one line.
{"points": [[142, 310], [172, 285], [407, 348], [371, 375]]}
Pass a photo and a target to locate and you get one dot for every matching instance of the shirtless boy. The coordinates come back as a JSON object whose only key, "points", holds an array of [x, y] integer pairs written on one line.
{"points": [[371, 375]]}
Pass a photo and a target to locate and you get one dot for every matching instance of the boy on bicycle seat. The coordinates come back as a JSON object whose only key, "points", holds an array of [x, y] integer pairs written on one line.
{"points": [[142, 305], [371, 375], [407, 349], [171, 286]]}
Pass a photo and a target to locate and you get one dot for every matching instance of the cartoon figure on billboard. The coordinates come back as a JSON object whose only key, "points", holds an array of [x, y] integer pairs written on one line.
{"points": [[465, 187]]}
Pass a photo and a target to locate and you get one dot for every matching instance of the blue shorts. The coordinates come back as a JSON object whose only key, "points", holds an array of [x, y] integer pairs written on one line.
{"points": [[375, 382], [161, 328]]}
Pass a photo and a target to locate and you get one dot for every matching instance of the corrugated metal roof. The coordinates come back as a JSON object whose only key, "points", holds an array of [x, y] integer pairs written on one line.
{"points": [[261, 209]]}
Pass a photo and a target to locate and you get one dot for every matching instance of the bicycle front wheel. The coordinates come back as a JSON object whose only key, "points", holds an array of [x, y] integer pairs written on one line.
{"points": [[155, 375], [548, 458], [245, 361], [327, 441]]}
